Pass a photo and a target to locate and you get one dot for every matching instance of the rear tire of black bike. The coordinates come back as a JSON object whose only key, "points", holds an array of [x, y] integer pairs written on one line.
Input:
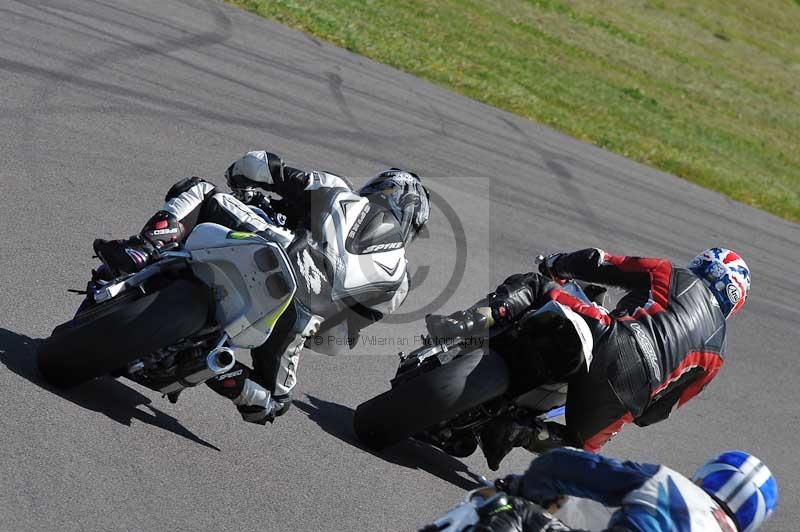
{"points": [[431, 398], [106, 337]]}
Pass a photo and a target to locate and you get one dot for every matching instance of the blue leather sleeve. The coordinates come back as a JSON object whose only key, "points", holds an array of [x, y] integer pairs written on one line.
{"points": [[580, 474]]}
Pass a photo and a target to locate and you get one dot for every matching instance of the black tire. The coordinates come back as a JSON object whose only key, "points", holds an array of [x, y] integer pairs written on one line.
{"points": [[106, 337], [431, 398]]}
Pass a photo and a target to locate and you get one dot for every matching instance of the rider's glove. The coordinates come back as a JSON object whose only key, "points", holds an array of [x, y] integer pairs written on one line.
{"points": [[518, 515], [547, 266], [510, 484], [457, 325]]}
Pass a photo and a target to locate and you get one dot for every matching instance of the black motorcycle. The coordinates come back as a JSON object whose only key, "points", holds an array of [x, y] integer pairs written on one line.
{"points": [[444, 393]]}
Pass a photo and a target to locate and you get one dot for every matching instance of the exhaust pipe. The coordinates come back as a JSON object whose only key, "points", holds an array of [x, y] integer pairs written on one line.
{"points": [[220, 360]]}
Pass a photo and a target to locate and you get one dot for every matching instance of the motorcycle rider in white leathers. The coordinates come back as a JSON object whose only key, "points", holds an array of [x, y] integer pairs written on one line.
{"points": [[347, 247]]}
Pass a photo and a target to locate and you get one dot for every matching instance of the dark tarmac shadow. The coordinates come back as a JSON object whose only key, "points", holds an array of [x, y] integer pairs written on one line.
{"points": [[105, 395], [337, 420]]}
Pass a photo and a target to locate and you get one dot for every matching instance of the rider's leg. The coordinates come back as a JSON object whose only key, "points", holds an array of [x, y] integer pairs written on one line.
{"points": [[540, 357], [595, 412], [189, 202], [500, 437], [168, 227], [253, 401], [503, 434], [276, 361], [267, 357]]}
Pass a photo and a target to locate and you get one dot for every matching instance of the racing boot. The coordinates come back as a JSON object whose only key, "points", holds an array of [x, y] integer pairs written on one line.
{"points": [[124, 256], [548, 435], [253, 401], [500, 436], [283, 404], [164, 231], [459, 324], [256, 405]]}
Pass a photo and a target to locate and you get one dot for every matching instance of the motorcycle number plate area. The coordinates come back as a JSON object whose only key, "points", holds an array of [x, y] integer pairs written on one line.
{"points": [[252, 283]]}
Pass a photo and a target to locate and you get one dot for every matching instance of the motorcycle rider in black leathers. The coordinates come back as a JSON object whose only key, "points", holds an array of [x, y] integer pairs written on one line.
{"points": [[661, 345], [348, 250]]}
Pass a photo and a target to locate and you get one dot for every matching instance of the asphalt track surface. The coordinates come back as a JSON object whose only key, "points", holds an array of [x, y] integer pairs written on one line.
{"points": [[105, 104]]}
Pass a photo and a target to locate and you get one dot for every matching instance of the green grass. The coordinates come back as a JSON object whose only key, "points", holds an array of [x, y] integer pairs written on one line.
{"points": [[708, 90]]}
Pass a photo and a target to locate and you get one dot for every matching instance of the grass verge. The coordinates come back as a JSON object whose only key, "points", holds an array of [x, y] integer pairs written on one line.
{"points": [[708, 90]]}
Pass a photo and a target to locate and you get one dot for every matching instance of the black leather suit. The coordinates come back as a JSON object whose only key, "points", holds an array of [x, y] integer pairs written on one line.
{"points": [[660, 346]]}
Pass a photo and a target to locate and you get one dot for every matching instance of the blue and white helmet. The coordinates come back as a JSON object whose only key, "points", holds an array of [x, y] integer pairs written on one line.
{"points": [[403, 194], [742, 483], [726, 275]]}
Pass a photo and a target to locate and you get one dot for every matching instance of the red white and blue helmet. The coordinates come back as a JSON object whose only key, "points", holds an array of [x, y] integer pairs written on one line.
{"points": [[743, 484], [726, 275]]}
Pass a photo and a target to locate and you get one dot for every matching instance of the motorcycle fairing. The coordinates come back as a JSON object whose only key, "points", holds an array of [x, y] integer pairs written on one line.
{"points": [[250, 277]]}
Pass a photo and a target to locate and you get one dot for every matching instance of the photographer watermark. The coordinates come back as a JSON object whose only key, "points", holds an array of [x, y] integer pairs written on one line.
{"points": [[330, 342]]}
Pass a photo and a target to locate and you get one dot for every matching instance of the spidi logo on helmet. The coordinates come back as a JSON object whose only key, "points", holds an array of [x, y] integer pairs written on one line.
{"points": [[444, 220], [437, 261]]}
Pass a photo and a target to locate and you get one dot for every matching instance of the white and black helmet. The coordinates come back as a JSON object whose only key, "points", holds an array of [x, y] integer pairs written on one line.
{"points": [[403, 194]]}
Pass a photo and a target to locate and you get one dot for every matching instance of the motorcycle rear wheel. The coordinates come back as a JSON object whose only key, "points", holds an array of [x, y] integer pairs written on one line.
{"points": [[436, 396], [106, 337]]}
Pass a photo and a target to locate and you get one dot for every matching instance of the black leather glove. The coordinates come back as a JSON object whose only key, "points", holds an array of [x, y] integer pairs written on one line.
{"points": [[459, 324], [519, 515], [510, 484], [547, 266]]}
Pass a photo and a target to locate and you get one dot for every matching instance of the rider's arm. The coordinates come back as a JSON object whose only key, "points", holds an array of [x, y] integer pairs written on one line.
{"points": [[306, 195], [581, 474], [645, 278], [300, 186]]}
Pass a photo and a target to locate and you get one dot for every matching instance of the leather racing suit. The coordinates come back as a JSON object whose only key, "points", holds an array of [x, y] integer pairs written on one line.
{"points": [[348, 255], [650, 497], [659, 347]]}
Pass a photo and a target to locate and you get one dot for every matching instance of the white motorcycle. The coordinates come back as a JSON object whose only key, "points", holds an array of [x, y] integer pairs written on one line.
{"points": [[175, 323]]}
